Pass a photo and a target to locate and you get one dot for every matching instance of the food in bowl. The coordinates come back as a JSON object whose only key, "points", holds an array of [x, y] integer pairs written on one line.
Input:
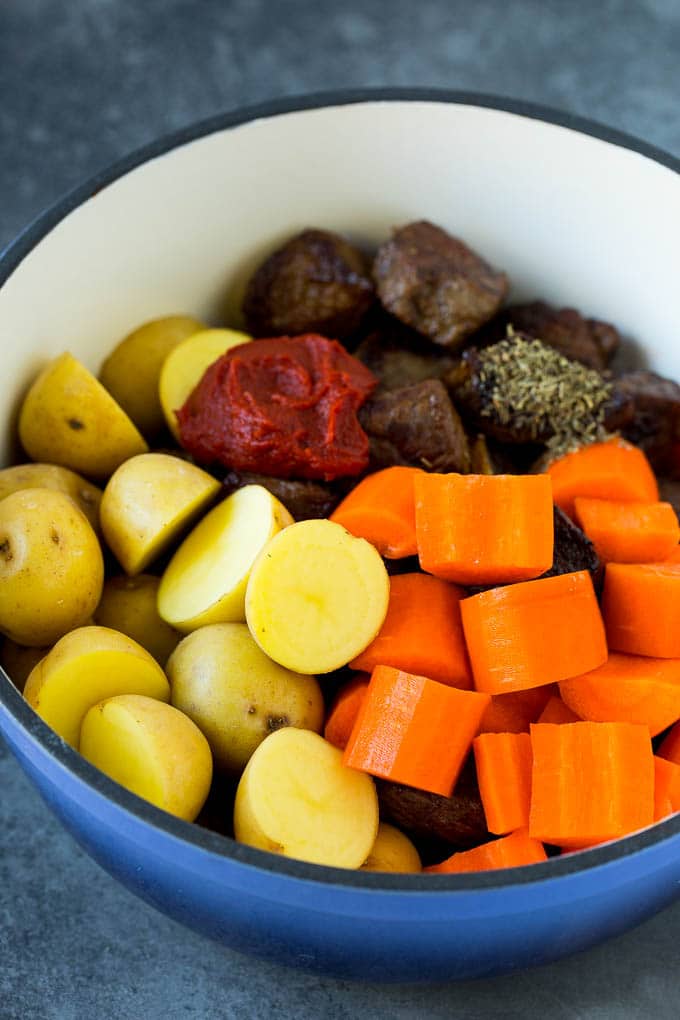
{"points": [[445, 427]]}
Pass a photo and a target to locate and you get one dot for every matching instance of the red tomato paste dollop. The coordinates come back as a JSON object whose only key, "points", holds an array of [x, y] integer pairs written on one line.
{"points": [[285, 407]]}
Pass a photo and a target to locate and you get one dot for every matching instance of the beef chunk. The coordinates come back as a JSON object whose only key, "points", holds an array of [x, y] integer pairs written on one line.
{"points": [[400, 357], [654, 424], [316, 283], [436, 284], [572, 550], [589, 341], [303, 499], [416, 425], [669, 492], [457, 821]]}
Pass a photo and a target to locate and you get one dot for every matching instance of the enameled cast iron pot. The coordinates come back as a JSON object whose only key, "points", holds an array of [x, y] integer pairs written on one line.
{"points": [[576, 214]]}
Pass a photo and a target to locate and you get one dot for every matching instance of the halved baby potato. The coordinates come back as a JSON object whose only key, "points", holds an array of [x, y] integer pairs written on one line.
{"points": [[84, 494], [85, 667], [392, 851], [317, 596], [296, 798], [151, 749], [205, 582], [68, 418], [236, 695], [148, 502], [18, 661], [185, 366], [132, 370], [130, 605]]}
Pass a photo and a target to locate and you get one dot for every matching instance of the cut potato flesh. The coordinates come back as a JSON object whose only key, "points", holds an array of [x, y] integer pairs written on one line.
{"points": [[151, 749], [185, 366], [317, 596], [85, 667], [296, 798], [205, 582], [392, 851]]}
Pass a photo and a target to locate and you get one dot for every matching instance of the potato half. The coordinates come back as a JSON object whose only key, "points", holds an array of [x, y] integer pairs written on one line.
{"points": [[129, 605], [84, 494]]}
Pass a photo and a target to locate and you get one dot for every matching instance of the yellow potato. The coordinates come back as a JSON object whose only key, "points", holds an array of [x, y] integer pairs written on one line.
{"points": [[205, 582], [18, 661], [68, 418], [129, 605], [317, 596], [51, 567], [132, 369], [236, 695], [185, 366], [51, 476], [148, 502], [85, 667], [296, 798], [151, 749], [392, 851]]}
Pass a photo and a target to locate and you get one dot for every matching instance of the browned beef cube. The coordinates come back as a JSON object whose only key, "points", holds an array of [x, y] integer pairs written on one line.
{"points": [[669, 491], [416, 425], [573, 550], [589, 341], [305, 500], [401, 358], [436, 284], [655, 422], [316, 283], [457, 820]]}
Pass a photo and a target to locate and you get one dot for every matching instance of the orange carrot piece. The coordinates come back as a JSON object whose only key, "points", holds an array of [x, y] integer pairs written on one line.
{"points": [[514, 712], [422, 632], [344, 711], [627, 688], [503, 762], [674, 556], [590, 782], [669, 748], [557, 713], [484, 529], [509, 852], [413, 730], [666, 788], [629, 532], [612, 470], [533, 633], [641, 608], [381, 509]]}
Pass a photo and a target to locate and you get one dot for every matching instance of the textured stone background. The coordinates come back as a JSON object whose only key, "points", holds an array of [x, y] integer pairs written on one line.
{"points": [[82, 83]]}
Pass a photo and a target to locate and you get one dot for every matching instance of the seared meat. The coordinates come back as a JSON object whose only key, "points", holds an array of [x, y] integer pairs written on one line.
{"points": [[400, 357], [436, 284], [316, 283], [589, 341], [573, 550], [669, 491], [415, 425], [654, 424], [303, 499]]}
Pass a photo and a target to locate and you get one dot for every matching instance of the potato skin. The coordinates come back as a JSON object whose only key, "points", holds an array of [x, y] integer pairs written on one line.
{"points": [[236, 695], [132, 369], [52, 476], [51, 567], [392, 851], [129, 605]]}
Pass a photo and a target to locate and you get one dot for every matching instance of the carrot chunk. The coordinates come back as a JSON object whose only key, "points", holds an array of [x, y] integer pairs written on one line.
{"points": [[509, 852], [613, 470], [484, 529], [629, 532], [422, 632], [344, 711], [514, 712], [641, 608], [381, 509], [669, 747], [503, 762], [666, 788], [557, 712], [627, 688], [413, 730], [591, 781], [533, 633]]}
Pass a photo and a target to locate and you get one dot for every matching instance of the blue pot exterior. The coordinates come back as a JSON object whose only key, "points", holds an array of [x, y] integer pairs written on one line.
{"points": [[347, 930]]}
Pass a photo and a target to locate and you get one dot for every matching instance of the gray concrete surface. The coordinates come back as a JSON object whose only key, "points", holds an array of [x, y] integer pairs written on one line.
{"points": [[83, 82]]}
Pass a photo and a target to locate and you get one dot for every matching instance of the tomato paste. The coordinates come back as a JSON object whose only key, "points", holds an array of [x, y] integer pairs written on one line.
{"points": [[285, 407]]}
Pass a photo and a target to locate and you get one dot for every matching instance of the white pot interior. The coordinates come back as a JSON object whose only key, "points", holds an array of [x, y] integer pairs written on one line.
{"points": [[573, 219]]}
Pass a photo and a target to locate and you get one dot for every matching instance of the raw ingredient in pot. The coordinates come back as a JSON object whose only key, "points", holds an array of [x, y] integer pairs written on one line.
{"points": [[381, 509], [628, 532], [86, 496], [151, 749], [641, 608], [130, 605], [296, 798], [392, 851], [613, 470], [51, 566]]}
